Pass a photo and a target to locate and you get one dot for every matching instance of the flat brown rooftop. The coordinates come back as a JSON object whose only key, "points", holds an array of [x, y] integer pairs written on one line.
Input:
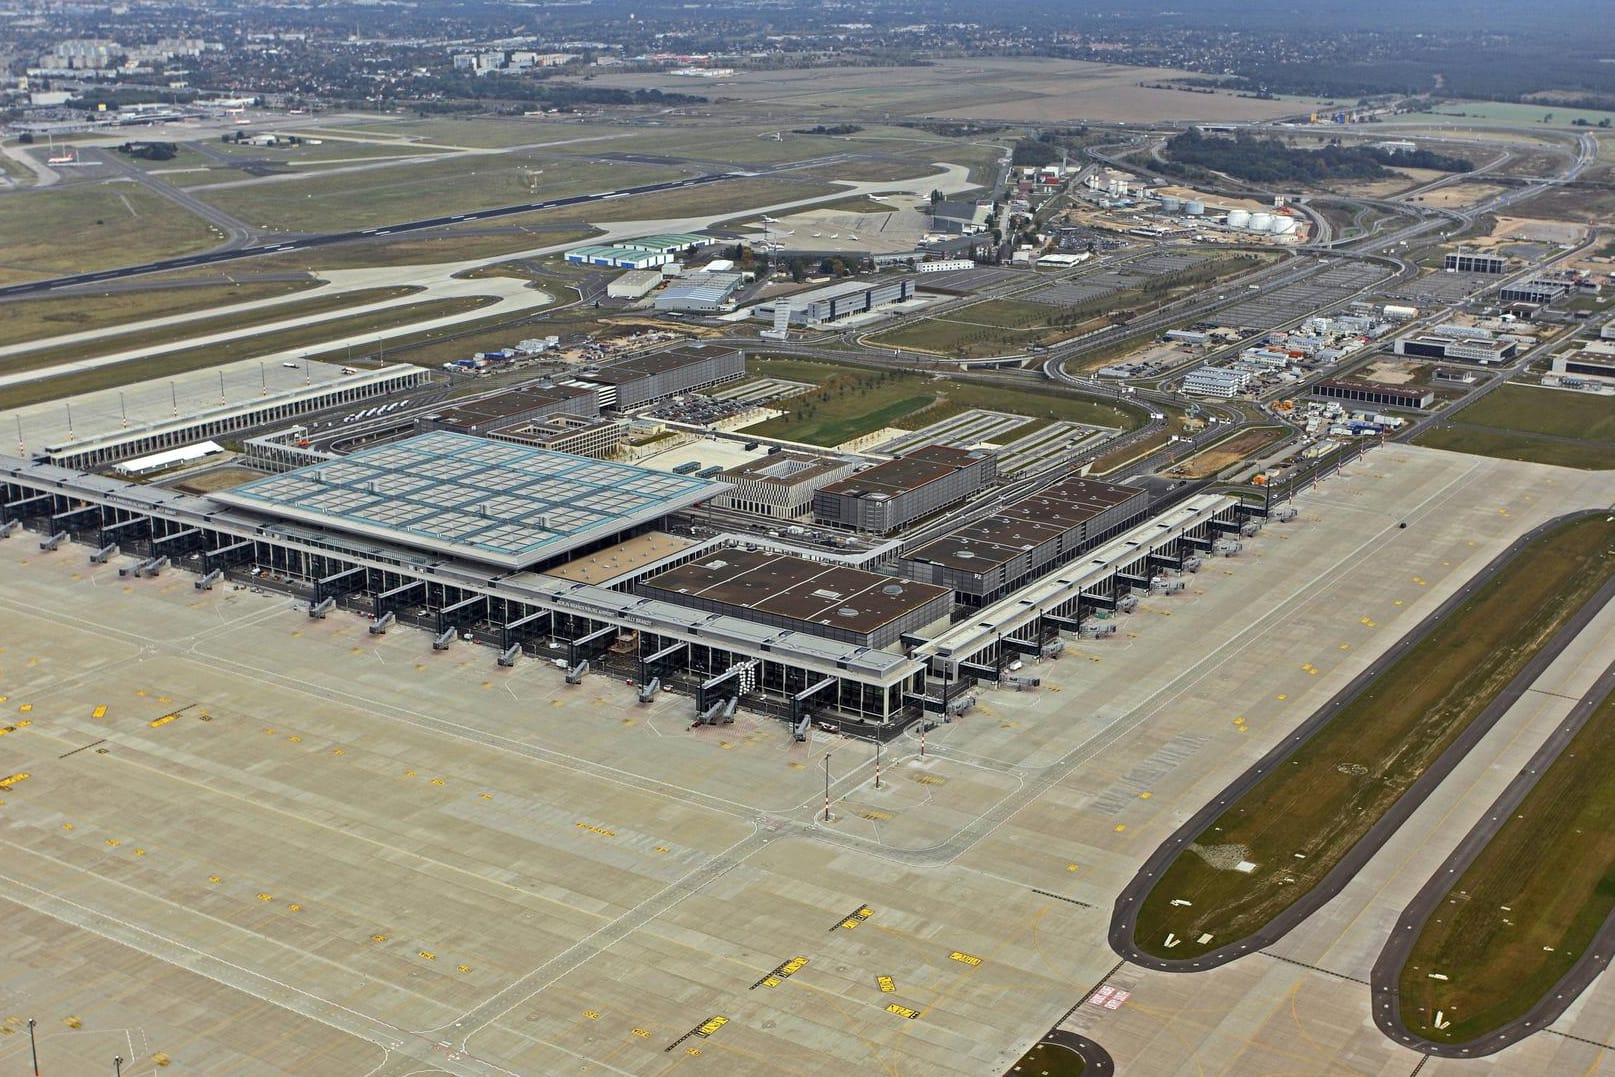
{"points": [[786, 586]]}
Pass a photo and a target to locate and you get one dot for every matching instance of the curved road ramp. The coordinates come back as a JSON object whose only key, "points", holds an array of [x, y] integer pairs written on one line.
{"points": [[1290, 832]]}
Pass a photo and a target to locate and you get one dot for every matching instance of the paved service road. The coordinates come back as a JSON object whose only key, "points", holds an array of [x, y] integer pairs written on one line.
{"points": [[1388, 968], [1132, 896]]}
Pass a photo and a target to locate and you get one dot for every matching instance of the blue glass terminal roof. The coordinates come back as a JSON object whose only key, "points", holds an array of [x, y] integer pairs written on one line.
{"points": [[463, 496]]}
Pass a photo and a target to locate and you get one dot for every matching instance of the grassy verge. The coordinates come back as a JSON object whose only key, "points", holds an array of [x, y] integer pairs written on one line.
{"points": [[512, 235], [212, 355], [1519, 917], [875, 171], [313, 307], [382, 196], [1299, 821], [110, 224], [1506, 445], [31, 319], [851, 401], [1543, 411]]}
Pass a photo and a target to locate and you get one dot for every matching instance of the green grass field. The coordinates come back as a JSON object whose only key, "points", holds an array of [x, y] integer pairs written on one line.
{"points": [[1522, 914], [852, 401], [32, 319], [312, 307], [309, 337], [1505, 445], [1300, 820], [1554, 412], [1503, 114], [329, 203], [1544, 426], [993, 327], [534, 230], [77, 229]]}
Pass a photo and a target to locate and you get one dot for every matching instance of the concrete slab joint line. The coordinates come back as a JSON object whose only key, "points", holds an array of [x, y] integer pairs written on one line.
{"points": [[1556, 999], [1131, 898]]}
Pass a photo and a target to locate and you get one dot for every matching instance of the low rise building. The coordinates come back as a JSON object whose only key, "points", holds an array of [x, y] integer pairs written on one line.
{"points": [[1216, 381], [960, 218], [887, 496], [527, 403], [1537, 291], [782, 484], [1595, 362], [1389, 396], [985, 560], [700, 293], [573, 434], [1474, 262], [617, 257], [645, 379], [1484, 348], [821, 306], [634, 284]]}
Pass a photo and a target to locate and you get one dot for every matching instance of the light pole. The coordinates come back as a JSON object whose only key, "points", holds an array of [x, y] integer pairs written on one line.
{"points": [[33, 1048], [877, 759], [826, 808], [117, 1066]]}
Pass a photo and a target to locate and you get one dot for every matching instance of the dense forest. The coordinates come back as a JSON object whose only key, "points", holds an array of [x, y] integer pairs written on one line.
{"points": [[1267, 160]]}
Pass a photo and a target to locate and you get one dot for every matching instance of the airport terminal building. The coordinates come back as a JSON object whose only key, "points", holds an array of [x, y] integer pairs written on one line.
{"points": [[466, 536]]}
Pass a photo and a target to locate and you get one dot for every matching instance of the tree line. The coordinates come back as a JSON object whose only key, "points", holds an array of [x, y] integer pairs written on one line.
{"points": [[1268, 160]]}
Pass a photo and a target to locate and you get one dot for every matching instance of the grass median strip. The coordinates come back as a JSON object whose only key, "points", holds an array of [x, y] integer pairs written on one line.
{"points": [[33, 319], [1282, 837], [311, 338], [113, 341], [1526, 909]]}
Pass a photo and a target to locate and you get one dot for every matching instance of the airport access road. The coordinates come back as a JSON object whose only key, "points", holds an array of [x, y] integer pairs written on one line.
{"points": [[1131, 897], [1387, 972]]}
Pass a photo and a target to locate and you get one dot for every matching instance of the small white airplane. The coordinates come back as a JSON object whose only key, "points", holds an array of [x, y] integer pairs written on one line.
{"points": [[770, 220], [850, 236], [815, 235], [68, 158], [835, 235], [785, 233]]}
